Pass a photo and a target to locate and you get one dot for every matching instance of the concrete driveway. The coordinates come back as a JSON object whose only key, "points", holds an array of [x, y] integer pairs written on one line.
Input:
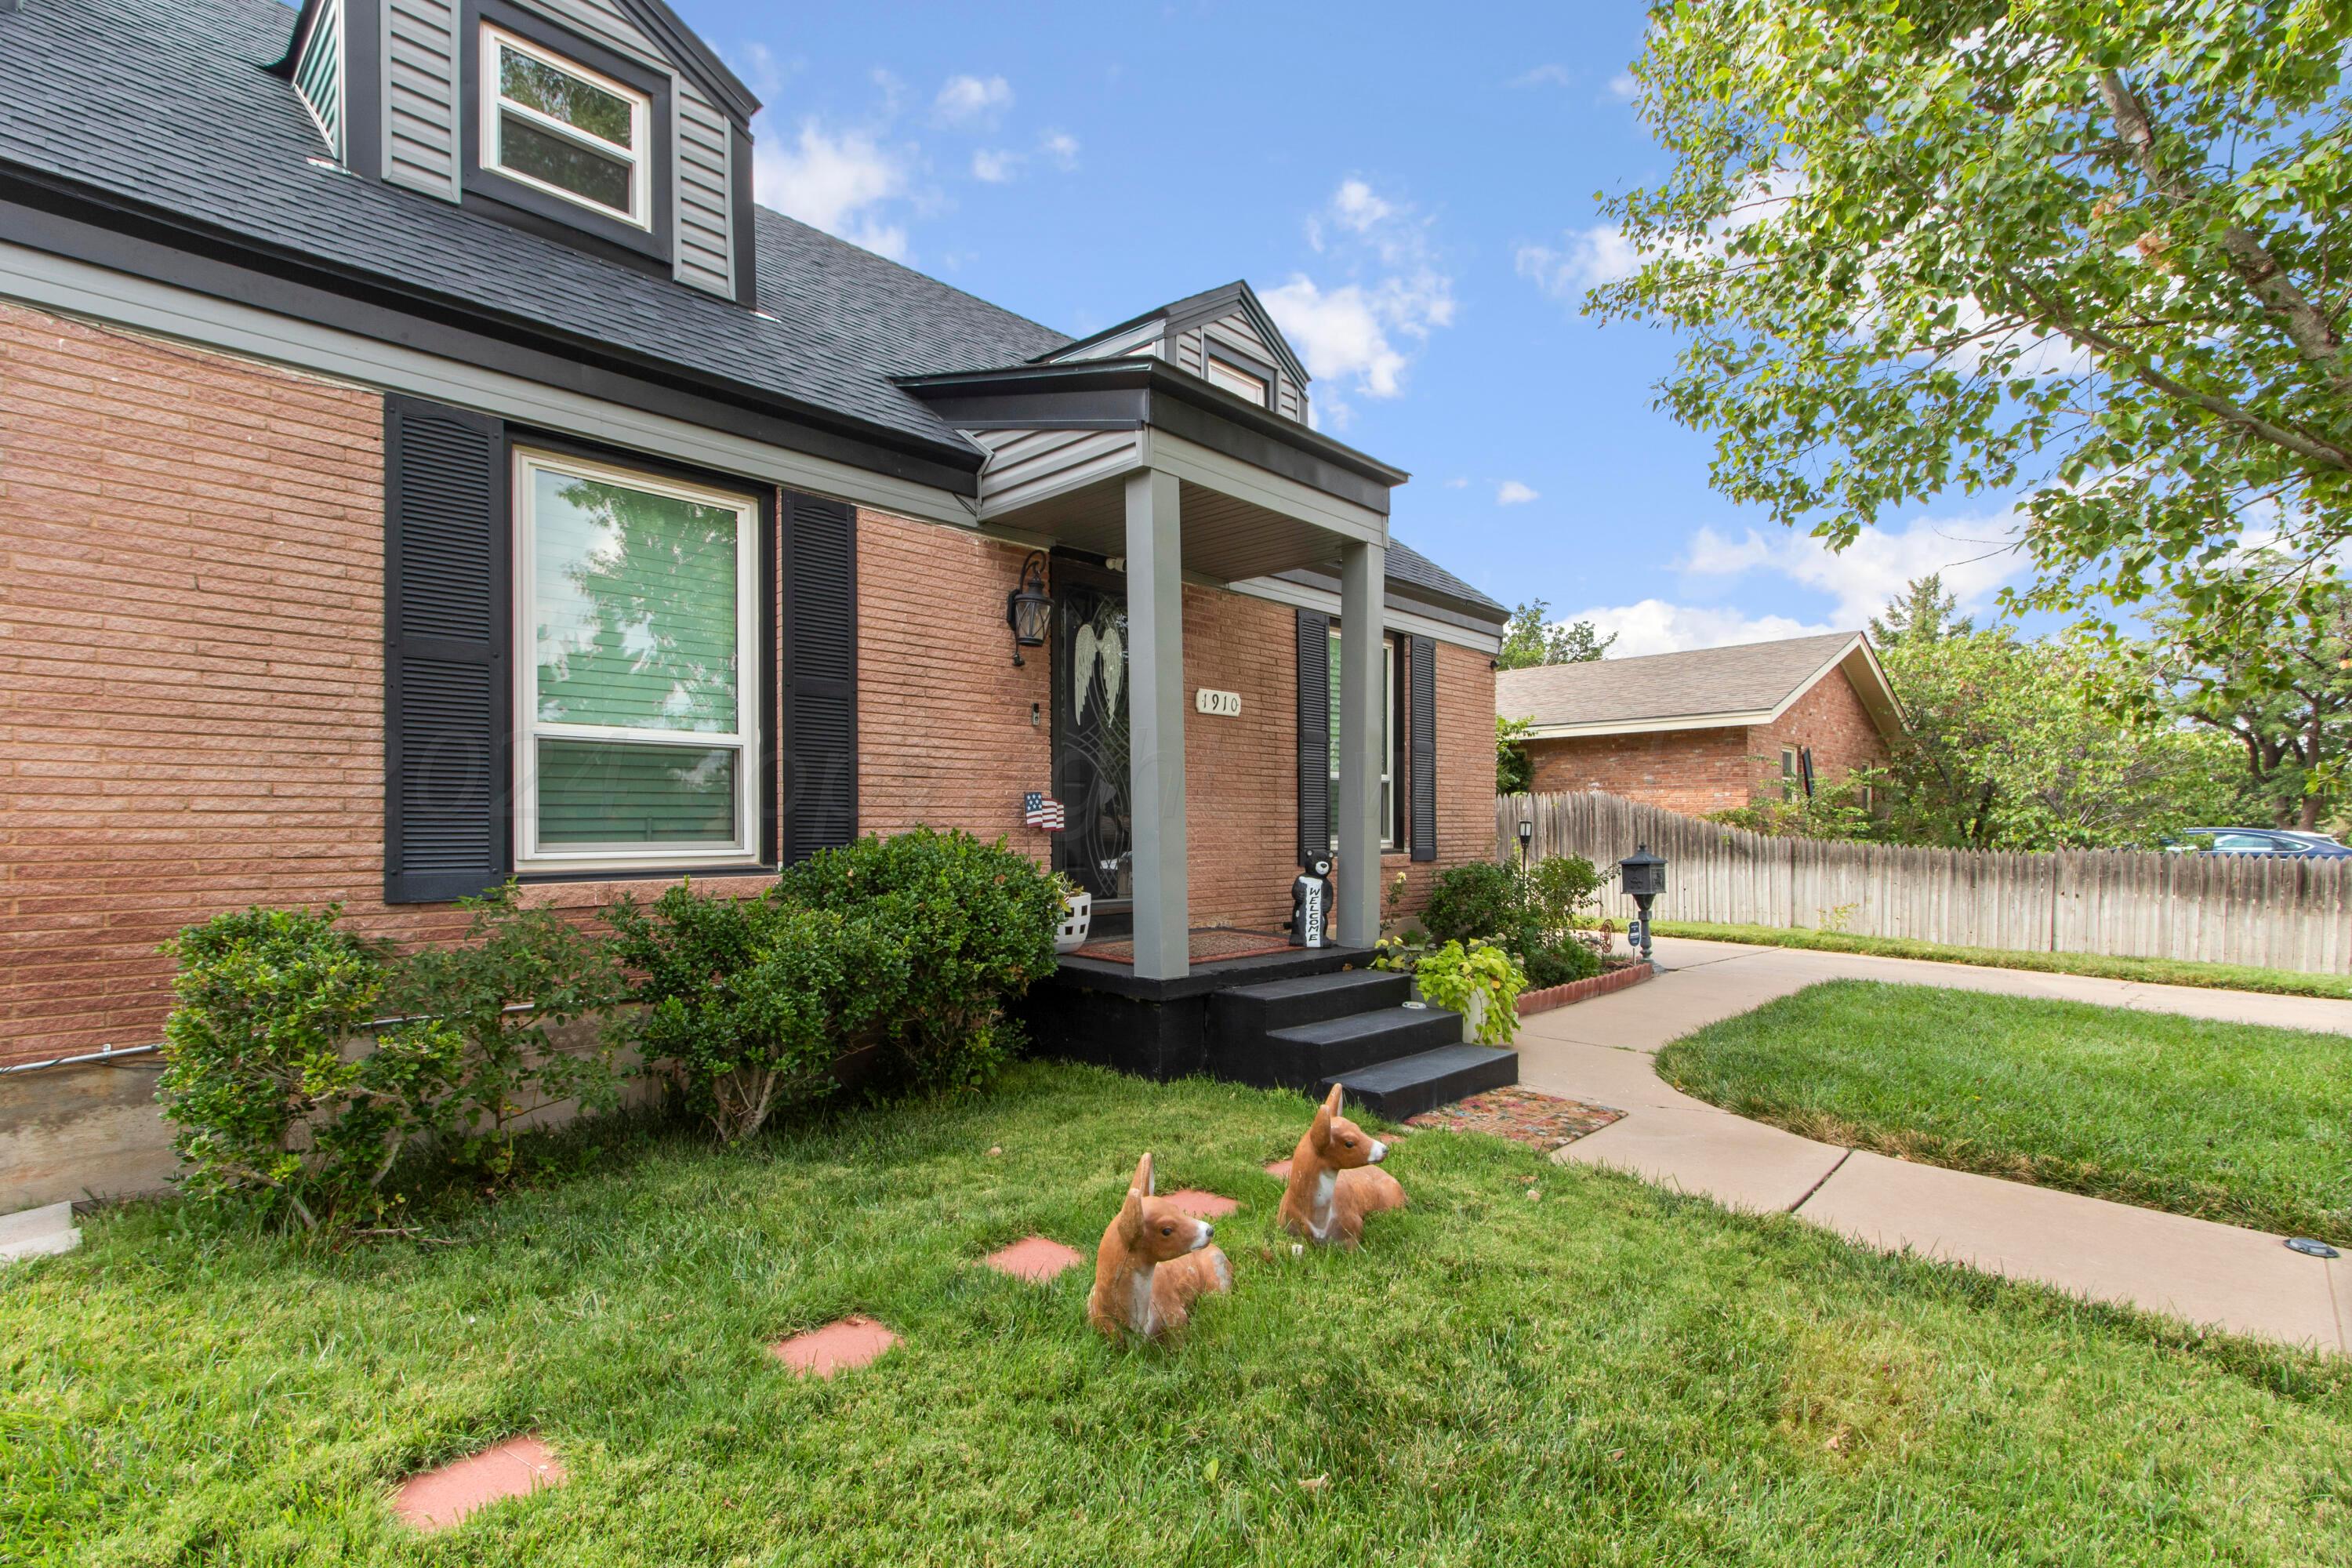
{"points": [[1601, 1051]]}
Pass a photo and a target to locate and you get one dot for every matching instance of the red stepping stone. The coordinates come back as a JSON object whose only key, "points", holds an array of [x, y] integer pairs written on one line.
{"points": [[1200, 1204], [836, 1347], [439, 1499], [1278, 1169], [1036, 1259]]}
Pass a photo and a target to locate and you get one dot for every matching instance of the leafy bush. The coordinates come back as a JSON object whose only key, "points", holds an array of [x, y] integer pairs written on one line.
{"points": [[518, 973], [1478, 980], [1479, 899], [752, 1000], [264, 1076], [976, 922], [1534, 914]]}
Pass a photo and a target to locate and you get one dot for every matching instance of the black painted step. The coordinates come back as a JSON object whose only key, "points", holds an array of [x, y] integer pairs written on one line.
{"points": [[1249, 1010], [1312, 1053], [1407, 1086]]}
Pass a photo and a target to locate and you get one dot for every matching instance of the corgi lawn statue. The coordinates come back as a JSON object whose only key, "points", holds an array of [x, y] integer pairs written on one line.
{"points": [[1332, 1184], [1153, 1262]]}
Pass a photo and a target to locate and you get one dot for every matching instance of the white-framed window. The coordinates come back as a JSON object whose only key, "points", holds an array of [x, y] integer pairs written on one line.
{"points": [[318, 75], [558, 127], [1234, 379], [637, 680], [1792, 784], [1390, 836]]}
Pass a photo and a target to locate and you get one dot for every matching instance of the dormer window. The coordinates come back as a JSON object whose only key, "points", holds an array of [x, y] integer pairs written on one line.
{"points": [[558, 127], [1238, 381], [1243, 374]]}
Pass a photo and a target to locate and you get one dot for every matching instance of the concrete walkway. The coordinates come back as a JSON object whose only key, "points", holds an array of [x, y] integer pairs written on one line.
{"points": [[1601, 1051]]}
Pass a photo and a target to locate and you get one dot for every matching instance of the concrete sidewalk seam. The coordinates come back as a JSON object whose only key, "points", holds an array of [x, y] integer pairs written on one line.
{"points": [[1817, 1186]]}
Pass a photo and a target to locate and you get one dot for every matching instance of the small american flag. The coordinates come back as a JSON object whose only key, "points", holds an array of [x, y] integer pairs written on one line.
{"points": [[1039, 809]]}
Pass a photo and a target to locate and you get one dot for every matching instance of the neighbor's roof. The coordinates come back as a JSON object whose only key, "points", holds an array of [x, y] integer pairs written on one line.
{"points": [[1752, 683], [167, 103]]}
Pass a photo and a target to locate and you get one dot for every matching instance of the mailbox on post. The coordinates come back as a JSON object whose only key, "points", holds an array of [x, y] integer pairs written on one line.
{"points": [[1642, 876]]}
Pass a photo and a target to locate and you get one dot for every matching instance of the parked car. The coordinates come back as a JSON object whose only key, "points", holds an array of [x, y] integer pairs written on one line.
{"points": [[2259, 841]]}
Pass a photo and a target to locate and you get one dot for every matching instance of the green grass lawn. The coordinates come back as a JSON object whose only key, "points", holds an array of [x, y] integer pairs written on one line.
{"points": [[2235, 1123], [2148, 970], [1531, 1365]]}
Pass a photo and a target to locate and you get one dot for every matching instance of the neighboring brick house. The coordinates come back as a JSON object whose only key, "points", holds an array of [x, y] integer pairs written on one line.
{"points": [[1710, 729], [421, 463]]}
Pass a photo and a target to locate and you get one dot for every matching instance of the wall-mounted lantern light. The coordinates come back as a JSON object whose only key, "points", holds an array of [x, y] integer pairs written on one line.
{"points": [[1027, 610]]}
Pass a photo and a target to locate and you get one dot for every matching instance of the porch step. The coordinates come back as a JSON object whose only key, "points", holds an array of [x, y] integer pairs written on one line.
{"points": [[1314, 1053], [1246, 1011], [1408, 1086], [30, 1232]]}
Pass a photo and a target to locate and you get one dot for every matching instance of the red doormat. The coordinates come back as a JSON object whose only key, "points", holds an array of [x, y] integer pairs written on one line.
{"points": [[1544, 1121], [1208, 946]]}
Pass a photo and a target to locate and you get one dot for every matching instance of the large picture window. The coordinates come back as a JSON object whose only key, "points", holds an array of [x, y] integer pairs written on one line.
{"points": [[1391, 833], [558, 127], [638, 697]]}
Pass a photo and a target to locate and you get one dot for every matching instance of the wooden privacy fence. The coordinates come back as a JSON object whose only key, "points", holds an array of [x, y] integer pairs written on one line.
{"points": [[2276, 912]]}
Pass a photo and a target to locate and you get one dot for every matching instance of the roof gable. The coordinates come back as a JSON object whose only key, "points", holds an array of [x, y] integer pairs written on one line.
{"points": [[1750, 683], [1181, 316]]}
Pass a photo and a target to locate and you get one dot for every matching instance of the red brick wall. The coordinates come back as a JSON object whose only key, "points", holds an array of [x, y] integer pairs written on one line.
{"points": [[1830, 719], [191, 665], [944, 736], [1693, 771]]}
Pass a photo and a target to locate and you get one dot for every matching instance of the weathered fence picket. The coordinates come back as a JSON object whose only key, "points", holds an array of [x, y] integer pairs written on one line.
{"points": [[2230, 909]]}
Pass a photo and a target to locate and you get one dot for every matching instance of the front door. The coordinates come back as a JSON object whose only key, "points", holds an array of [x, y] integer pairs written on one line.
{"points": [[1090, 769]]}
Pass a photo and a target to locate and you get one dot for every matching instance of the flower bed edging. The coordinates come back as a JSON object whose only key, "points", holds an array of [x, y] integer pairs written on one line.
{"points": [[1544, 1001]]}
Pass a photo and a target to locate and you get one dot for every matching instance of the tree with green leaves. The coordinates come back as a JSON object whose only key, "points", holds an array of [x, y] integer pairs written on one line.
{"points": [[2096, 253], [2279, 686], [1515, 770], [1529, 640], [1925, 613]]}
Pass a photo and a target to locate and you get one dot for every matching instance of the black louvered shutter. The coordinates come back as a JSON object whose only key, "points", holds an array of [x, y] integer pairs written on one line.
{"points": [[1314, 735], [446, 637], [1420, 724], [817, 753]]}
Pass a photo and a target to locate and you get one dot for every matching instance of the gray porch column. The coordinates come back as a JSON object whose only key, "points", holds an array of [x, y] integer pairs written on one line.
{"points": [[1363, 572], [1155, 721]]}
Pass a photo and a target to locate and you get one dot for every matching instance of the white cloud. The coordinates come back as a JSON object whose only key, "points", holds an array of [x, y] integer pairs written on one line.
{"points": [[1555, 75], [972, 99], [1654, 625], [995, 167], [1061, 147], [1624, 86], [836, 180], [1361, 333], [1975, 556], [1587, 259], [1457, 484], [1511, 492]]}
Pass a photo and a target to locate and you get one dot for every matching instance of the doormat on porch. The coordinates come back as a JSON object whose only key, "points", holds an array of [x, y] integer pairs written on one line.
{"points": [[1208, 946], [1545, 1122]]}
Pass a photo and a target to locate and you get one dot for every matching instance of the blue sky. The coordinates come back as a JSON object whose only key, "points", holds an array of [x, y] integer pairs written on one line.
{"points": [[1414, 203]]}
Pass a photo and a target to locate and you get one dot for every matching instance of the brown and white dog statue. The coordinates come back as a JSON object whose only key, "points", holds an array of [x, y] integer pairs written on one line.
{"points": [[1332, 1184], [1154, 1261]]}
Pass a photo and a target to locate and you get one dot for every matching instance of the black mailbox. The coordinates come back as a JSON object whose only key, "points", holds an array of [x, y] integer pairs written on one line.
{"points": [[1642, 874]]}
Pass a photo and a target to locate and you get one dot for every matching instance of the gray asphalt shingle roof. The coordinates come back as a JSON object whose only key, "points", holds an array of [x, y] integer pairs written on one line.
{"points": [[168, 103], [1699, 683]]}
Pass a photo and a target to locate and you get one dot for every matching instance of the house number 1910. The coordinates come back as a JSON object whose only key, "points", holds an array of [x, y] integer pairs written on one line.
{"points": [[1223, 704]]}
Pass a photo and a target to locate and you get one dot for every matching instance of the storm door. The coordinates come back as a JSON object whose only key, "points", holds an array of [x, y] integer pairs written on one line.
{"points": [[1091, 779]]}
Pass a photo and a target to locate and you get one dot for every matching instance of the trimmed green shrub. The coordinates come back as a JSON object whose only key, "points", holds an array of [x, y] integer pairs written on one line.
{"points": [[267, 1076], [1481, 899], [753, 1001], [518, 973], [1532, 913], [977, 924]]}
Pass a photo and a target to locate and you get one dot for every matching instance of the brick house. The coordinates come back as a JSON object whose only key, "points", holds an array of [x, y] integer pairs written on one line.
{"points": [[421, 463], [1709, 729]]}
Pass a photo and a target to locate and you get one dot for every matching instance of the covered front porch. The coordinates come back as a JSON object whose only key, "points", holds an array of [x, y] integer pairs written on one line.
{"points": [[1164, 479]]}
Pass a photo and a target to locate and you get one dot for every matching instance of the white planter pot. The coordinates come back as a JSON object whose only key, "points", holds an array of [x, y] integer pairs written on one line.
{"points": [[1077, 919], [1473, 1017]]}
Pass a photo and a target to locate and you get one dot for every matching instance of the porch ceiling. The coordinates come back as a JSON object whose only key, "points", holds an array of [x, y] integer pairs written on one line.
{"points": [[1224, 537]]}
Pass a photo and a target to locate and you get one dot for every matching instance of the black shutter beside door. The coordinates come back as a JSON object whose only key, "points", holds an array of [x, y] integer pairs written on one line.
{"points": [[1314, 735], [1420, 724], [447, 802], [816, 756]]}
